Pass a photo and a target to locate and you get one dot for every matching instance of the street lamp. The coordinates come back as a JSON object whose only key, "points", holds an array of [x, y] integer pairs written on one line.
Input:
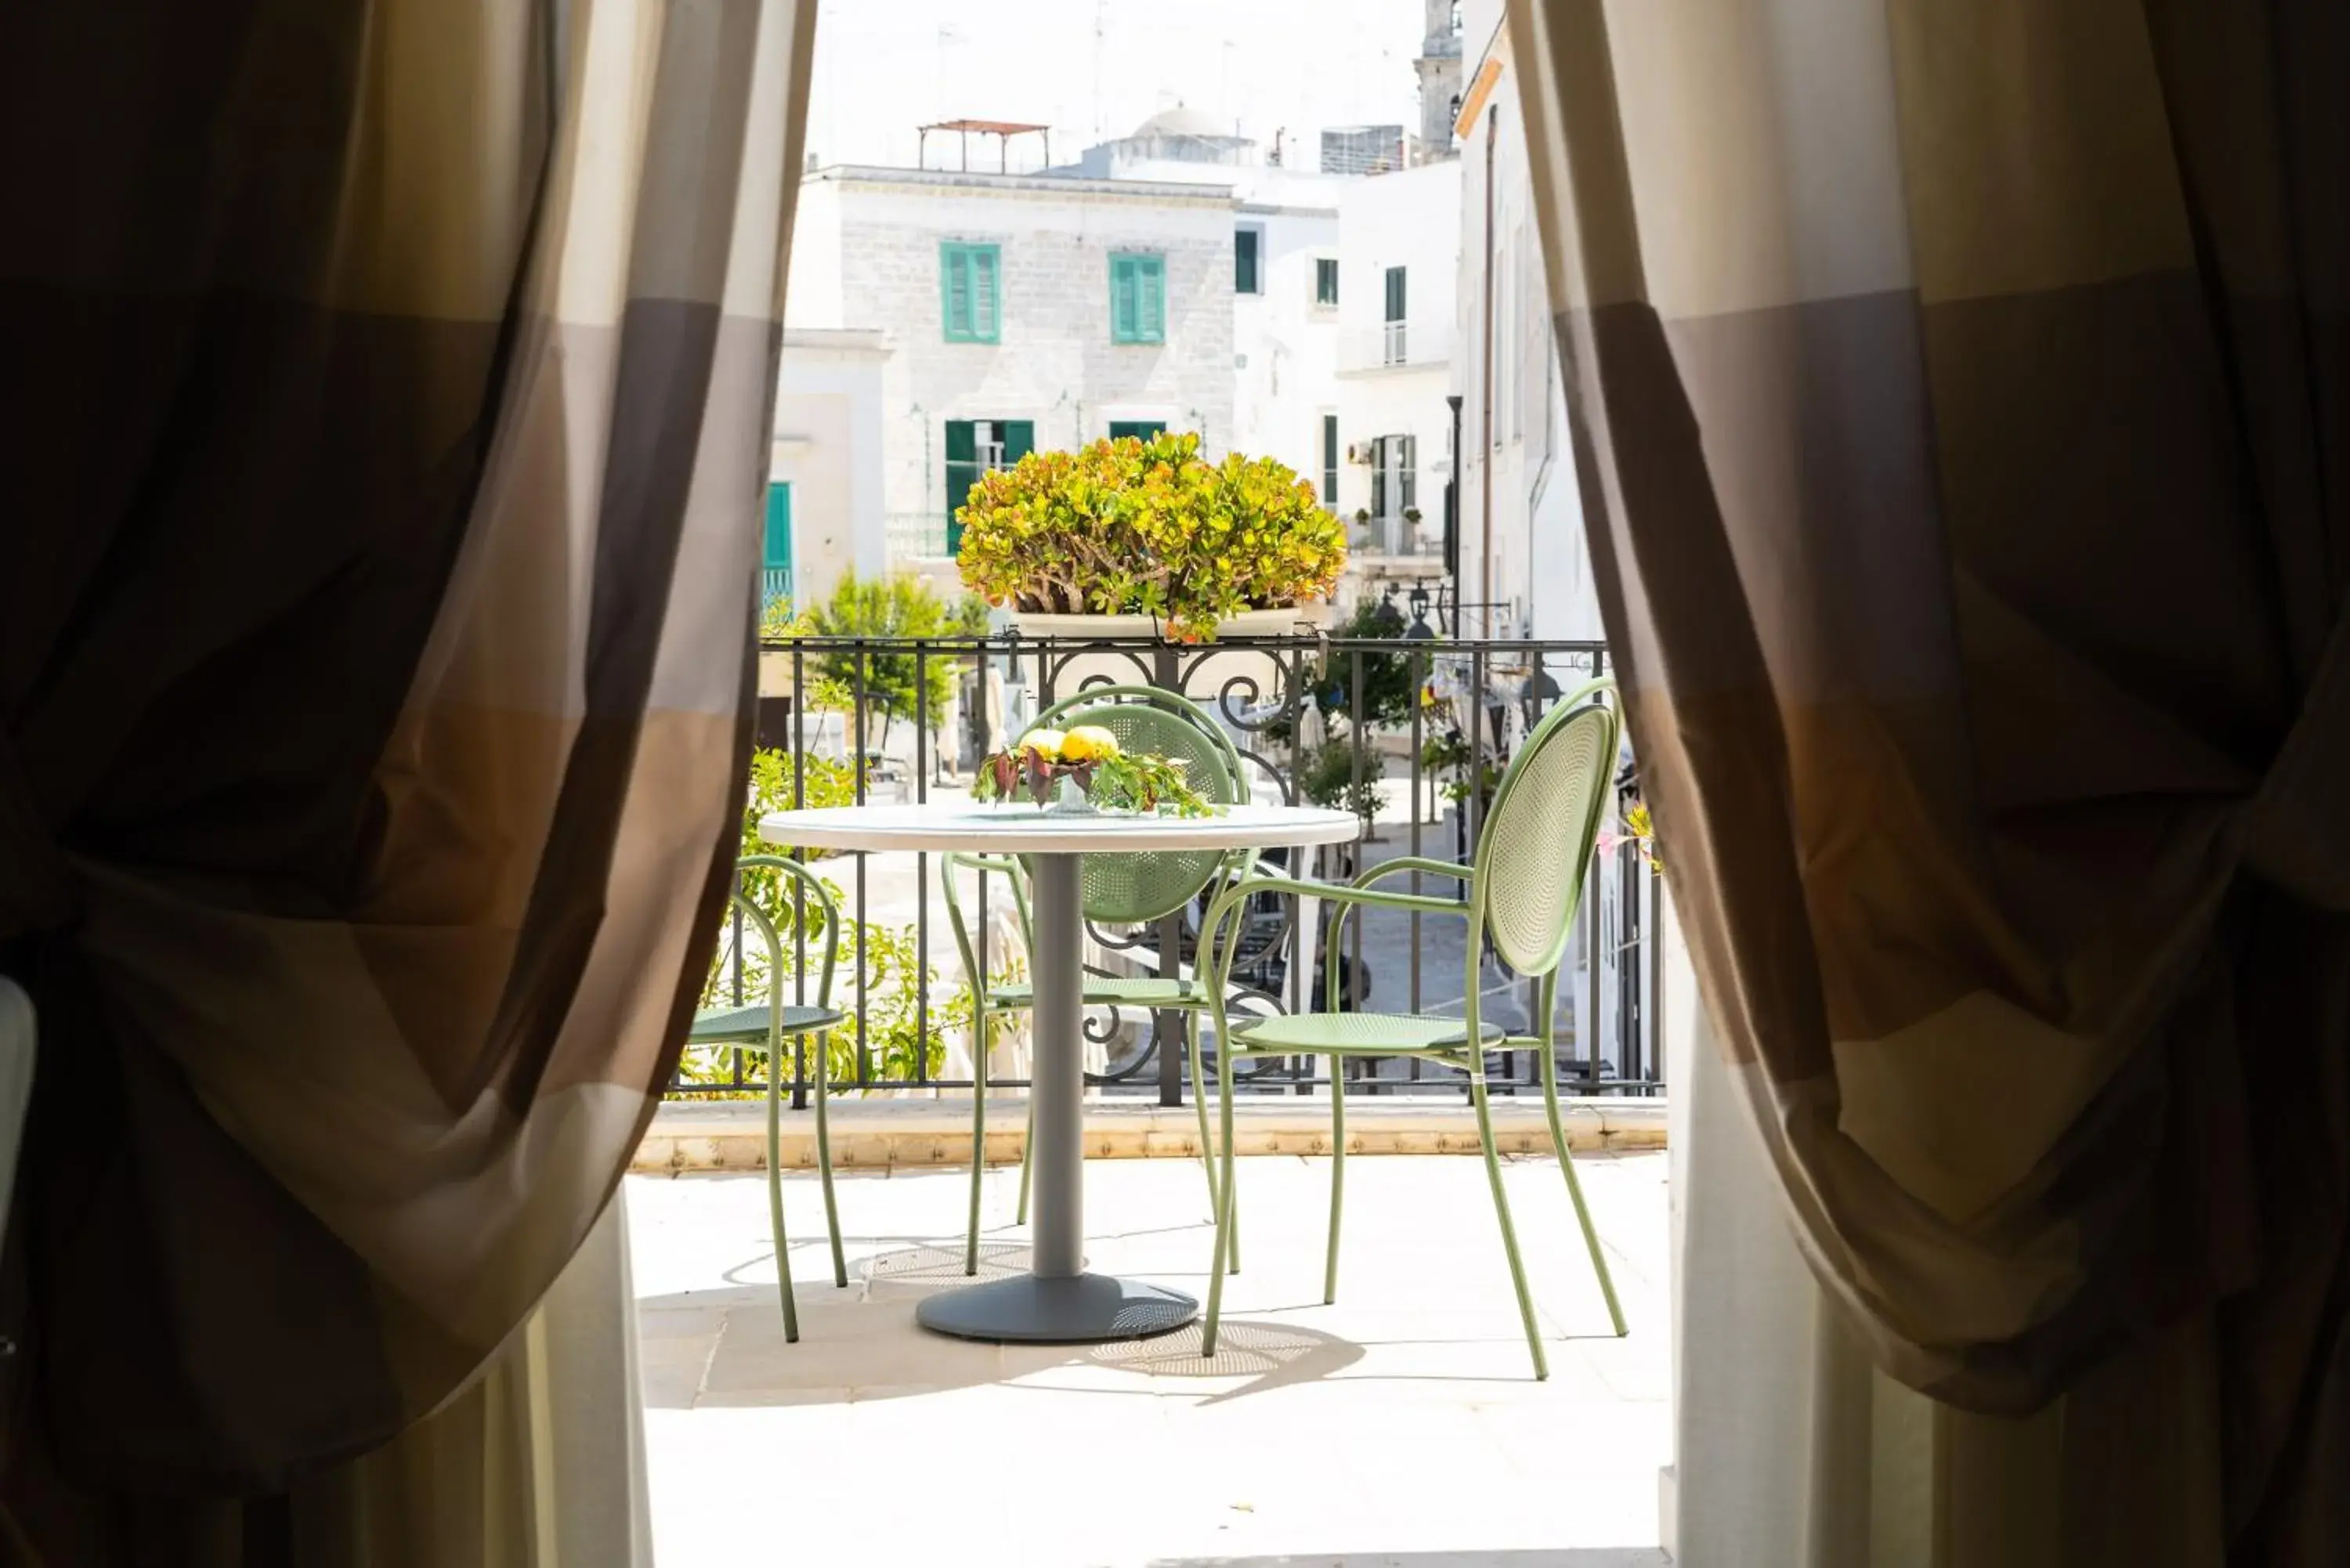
{"points": [[1419, 630]]}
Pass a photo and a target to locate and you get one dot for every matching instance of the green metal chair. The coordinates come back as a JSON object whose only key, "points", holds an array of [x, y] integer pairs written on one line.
{"points": [[764, 1027], [1520, 891], [1117, 889]]}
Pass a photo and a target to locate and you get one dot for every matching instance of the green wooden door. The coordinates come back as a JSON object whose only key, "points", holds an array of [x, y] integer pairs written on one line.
{"points": [[976, 447], [962, 472]]}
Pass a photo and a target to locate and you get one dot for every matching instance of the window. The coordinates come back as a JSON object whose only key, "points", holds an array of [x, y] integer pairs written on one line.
{"points": [[1326, 280], [1138, 298], [1330, 460], [1140, 429], [1395, 475], [1456, 17], [969, 305], [775, 556], [1247, 260], [1395, 348], [976, 447]]}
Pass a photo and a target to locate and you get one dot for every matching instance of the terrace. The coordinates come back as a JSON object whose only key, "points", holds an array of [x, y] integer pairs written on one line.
{"points": [[1399, 1425]]}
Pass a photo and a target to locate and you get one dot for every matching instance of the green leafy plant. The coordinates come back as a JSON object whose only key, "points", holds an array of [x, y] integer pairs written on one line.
{"points": [[1391, 681], [1148, 527], [1326, 777], [897, 683], [878, 963], [1446, 751], [1112, 778]]}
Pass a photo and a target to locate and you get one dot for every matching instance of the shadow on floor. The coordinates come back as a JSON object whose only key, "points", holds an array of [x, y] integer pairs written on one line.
{"points": [[727, 1346]]}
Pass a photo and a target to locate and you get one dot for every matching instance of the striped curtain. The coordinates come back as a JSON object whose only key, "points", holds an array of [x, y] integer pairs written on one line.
{"points": [[1961, 400], [388, 390]]}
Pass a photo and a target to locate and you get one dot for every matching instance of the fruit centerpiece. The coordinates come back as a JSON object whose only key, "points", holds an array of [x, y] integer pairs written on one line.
{"points": [[1085, 769]]}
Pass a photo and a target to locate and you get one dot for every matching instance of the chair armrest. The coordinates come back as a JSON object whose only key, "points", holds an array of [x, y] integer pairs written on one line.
{"points": [[1420, 863], [1234, 898], [1340, 893]]}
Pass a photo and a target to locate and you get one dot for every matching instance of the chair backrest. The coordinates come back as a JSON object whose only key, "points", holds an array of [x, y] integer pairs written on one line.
{"points": [[1537, 840], [1129, 888]]}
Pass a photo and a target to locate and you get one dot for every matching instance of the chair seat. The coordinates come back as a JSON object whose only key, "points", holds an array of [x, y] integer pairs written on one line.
{"points": [[748, 1026], [1138, 991], [1358, 1034]]}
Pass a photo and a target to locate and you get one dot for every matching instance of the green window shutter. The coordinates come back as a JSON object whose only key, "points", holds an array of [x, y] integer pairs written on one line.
{"points": [[971, 306], [1019, 438], [955, 293], [1150, 311], [962, 472], [1121, 299], [1140, 429], [1326, 280], [1394, 300], [1244, 260], [775, 556], [985, 309], [1329, 460]]}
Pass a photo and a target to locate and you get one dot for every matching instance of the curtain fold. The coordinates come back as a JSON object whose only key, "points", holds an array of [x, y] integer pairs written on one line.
{"points": [[390, 393], [1960, 402]]}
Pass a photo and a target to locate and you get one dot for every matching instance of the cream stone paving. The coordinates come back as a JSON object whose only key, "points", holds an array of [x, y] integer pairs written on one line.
{"points": [[1401, 1427]]}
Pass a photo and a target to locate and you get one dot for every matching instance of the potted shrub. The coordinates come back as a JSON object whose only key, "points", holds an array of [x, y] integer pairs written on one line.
{"points": [[1151, 534], [1147, 538]]}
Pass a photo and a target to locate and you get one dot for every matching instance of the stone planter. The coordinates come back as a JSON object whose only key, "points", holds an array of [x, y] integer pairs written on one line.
{"points": [[1207, 669]]}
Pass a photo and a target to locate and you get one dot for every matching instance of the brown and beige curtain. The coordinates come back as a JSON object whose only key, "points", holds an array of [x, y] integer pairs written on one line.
{"points": [[386, 392], [1960, 398]]}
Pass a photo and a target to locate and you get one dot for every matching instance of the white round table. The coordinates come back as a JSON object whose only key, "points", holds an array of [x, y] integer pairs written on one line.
{"points": [[1057, 1303]]}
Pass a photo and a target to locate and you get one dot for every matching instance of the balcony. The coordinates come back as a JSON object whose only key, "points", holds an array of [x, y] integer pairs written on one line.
{"points": [[897, 1445], [1409, 345], [872, 1441]]}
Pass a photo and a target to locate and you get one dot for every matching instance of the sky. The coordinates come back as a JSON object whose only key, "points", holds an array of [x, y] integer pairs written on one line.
{"points": [[1092, 70]]}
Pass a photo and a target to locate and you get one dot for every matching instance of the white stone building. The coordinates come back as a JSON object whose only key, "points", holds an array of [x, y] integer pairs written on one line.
{"points": [[1284, 306], [1521, 518], [825, 504], [1015, 312], [1399, 237]]}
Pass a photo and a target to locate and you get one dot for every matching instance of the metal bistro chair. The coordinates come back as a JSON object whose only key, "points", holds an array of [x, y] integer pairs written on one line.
{"points": [[1117, 889], [1520, 892], [765, 1026]]}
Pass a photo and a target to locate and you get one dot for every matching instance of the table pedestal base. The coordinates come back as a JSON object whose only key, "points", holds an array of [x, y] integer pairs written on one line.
{"points": [[1086, 1310]]}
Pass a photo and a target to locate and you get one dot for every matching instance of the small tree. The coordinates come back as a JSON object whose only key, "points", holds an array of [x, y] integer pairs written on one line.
{"points": [[895, 681]]}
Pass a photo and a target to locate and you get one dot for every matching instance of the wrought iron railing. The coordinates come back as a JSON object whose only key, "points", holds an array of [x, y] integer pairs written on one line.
{"points": [[1413, 734]]}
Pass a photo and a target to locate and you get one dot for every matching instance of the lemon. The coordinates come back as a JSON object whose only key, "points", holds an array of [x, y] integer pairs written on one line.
{"points": [[1048, 742], [1088, 743]]}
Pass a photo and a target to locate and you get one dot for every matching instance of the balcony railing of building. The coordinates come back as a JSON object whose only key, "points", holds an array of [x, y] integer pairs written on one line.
{"points": [[1394, 346], [774, 587], [1411, 733], [917, 535]]}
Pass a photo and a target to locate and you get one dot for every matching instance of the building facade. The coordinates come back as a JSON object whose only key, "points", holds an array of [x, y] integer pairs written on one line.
{"points": [[825, 505], [1439, 76], [1523, 552], [1362, 148], [1399, 238], [1017, 312]]}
